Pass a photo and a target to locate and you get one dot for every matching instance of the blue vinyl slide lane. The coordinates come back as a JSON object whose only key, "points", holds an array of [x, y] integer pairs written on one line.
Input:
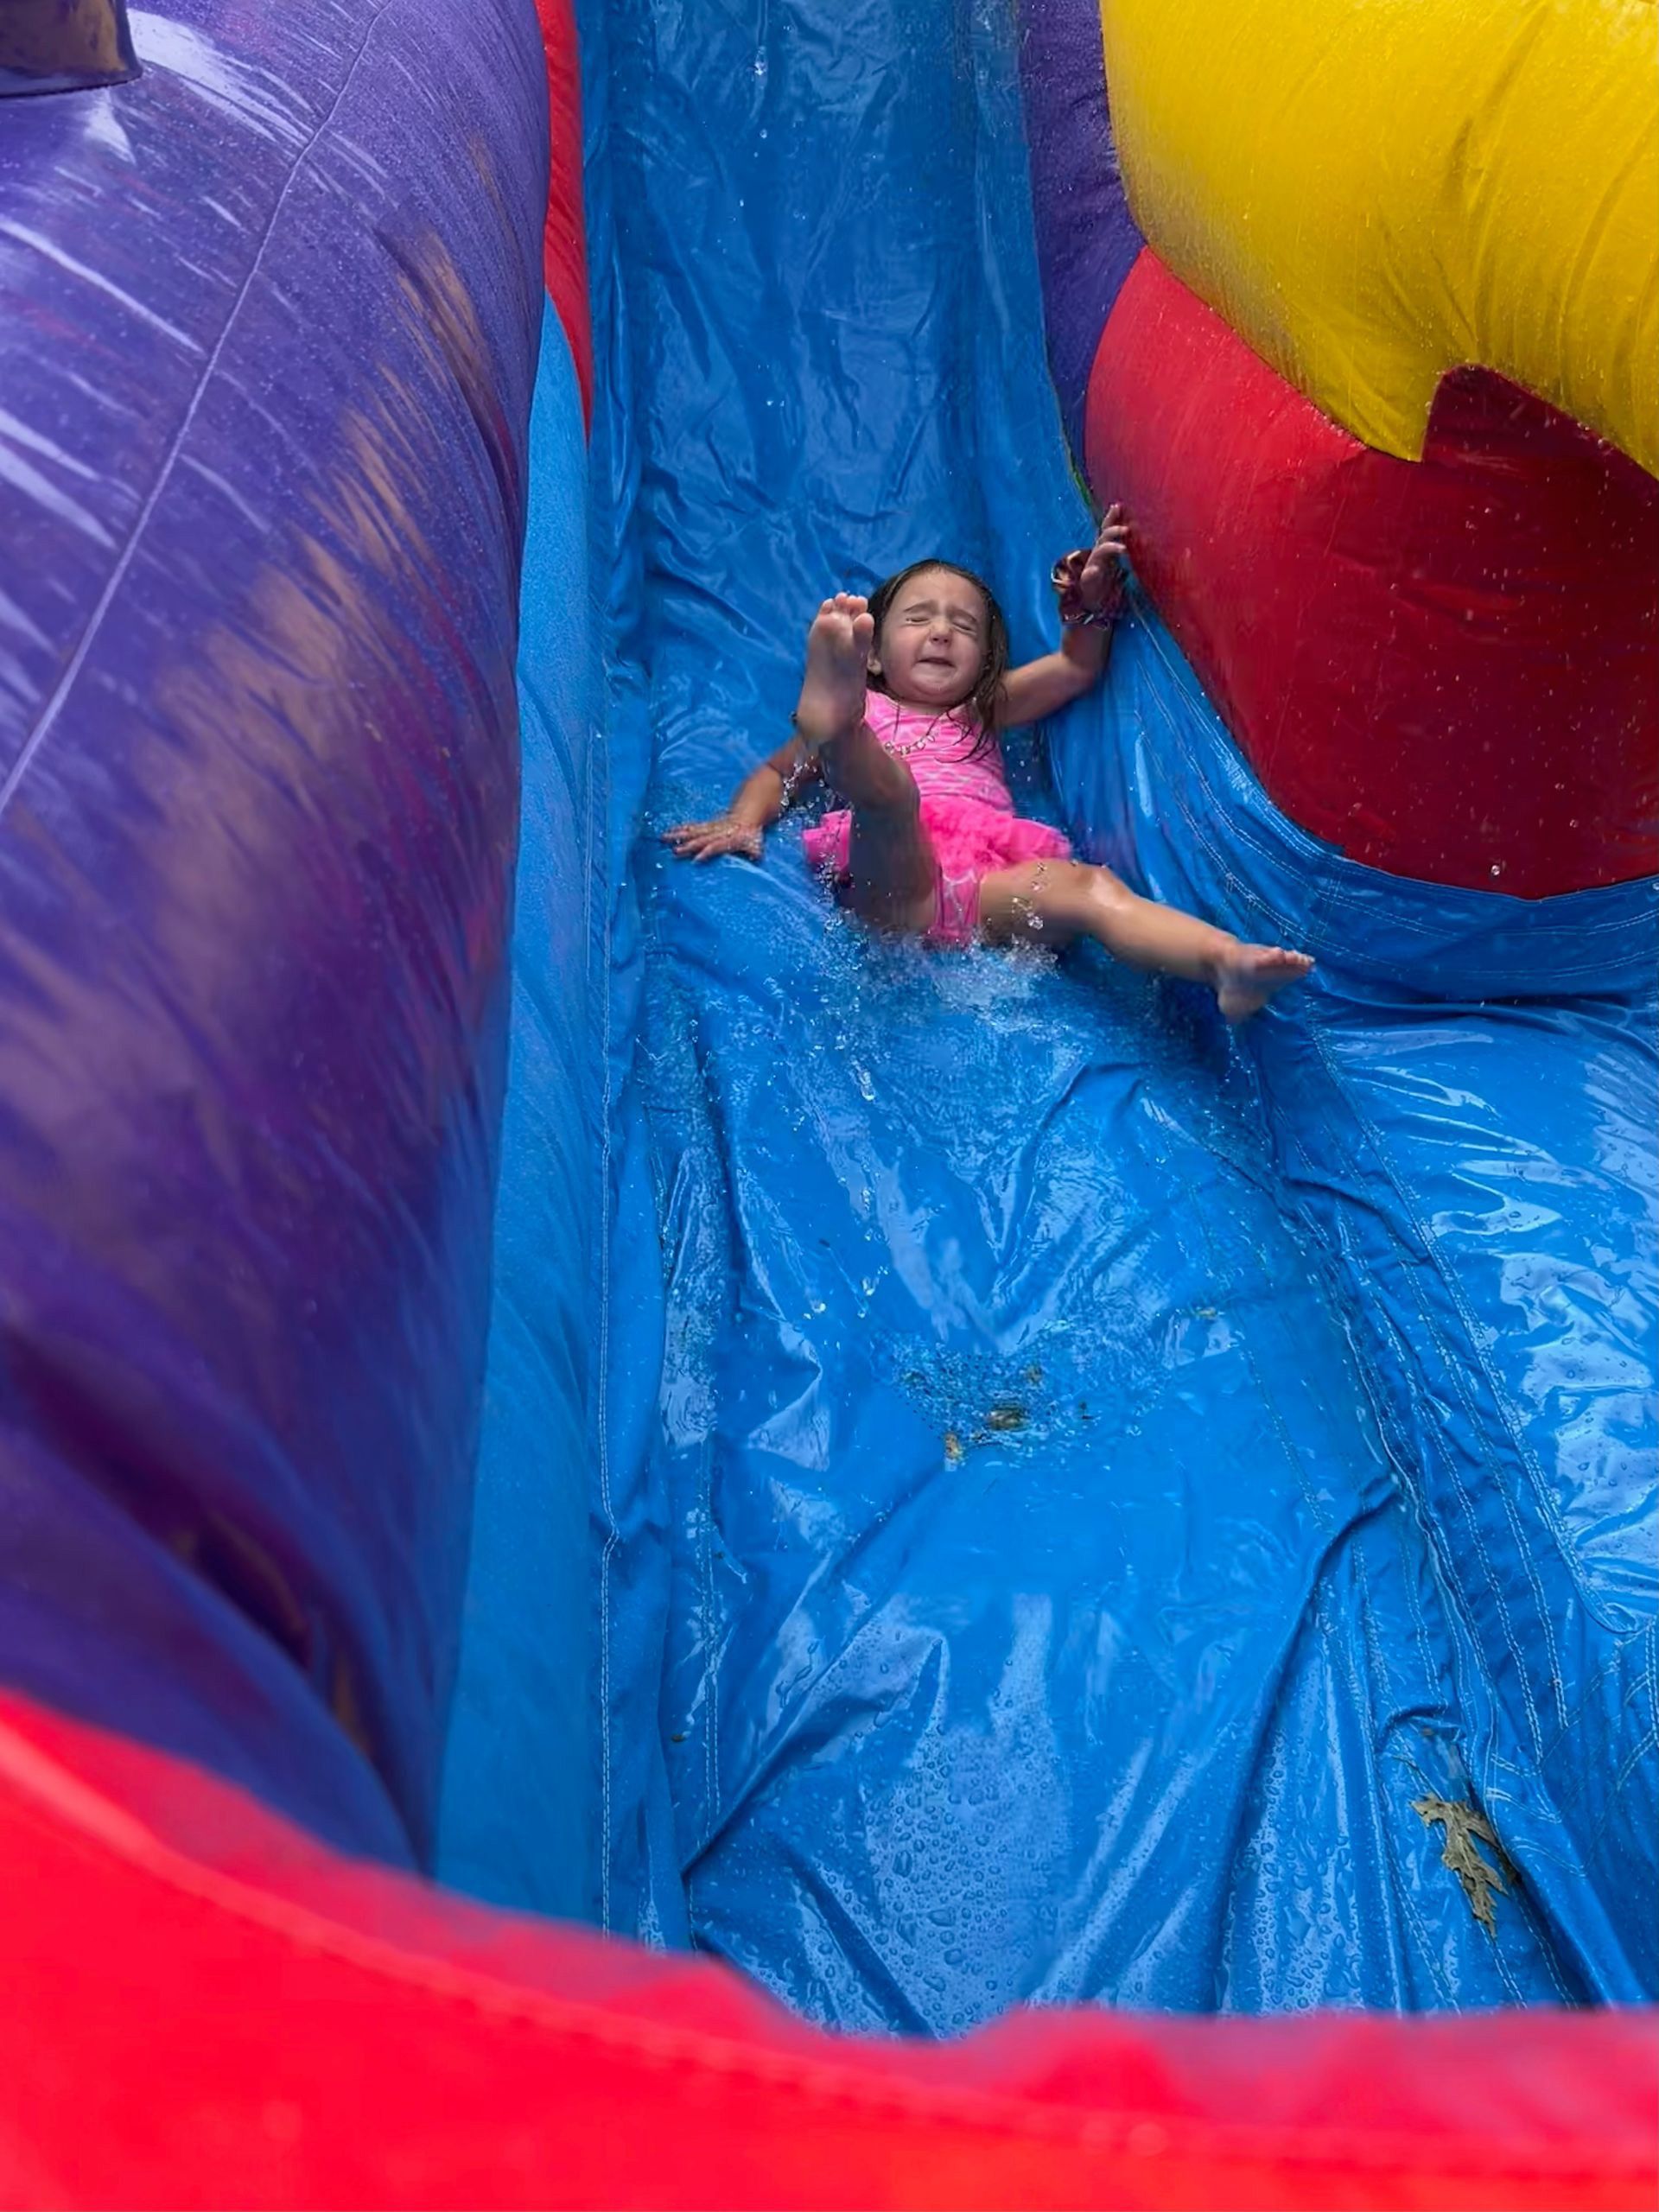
{"points": [[1008, 1585]]}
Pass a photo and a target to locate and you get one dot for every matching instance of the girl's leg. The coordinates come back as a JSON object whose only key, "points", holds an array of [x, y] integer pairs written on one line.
{"points": [[889, 858], [1051, 902]]}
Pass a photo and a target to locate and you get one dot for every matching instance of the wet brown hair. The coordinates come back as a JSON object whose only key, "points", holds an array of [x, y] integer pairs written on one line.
{"points": [[985, 700]]}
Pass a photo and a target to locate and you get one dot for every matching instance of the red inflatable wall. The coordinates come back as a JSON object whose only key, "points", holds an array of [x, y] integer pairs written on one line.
{"points": [[206, 2008], [1353, 616], [564, 245]]}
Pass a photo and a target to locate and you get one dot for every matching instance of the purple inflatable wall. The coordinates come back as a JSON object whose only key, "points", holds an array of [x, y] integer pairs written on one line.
{"points": [[258, 812]]}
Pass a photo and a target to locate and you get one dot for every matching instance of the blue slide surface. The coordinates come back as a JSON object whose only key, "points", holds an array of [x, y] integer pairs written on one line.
{"points": [[1084, 1508]]}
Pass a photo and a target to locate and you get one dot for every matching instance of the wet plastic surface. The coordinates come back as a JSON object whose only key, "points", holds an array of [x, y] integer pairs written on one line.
{"points": [[1073, 1487], [1461, 1107], [519, 1811], [1056, 1605]]}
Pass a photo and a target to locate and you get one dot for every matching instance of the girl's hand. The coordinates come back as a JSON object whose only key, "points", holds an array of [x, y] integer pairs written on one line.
{"points": [[1089, 580], [708, 841], [1101, 578]]}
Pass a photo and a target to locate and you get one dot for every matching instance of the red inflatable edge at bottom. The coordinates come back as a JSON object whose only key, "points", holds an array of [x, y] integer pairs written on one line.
{"points": [[205, 2006]]}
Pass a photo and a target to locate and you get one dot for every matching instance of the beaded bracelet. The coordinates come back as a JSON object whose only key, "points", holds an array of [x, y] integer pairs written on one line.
{"points": [[1074, 615], [1095, 618]]}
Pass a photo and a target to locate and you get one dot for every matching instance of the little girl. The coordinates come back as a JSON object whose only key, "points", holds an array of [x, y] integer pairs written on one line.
{"points": [[901, 708]]}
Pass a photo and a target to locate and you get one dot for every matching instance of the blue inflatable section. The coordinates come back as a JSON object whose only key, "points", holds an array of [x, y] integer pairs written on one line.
{"points": [[518, 1815], [1460, 1105], [1082, 1508]]}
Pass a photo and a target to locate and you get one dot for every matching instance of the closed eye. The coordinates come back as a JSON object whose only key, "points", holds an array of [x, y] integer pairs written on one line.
{"points": [[969, 624]]}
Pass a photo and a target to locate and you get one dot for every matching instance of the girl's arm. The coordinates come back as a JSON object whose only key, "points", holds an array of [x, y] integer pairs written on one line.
{"points": [[1094, 582], [1043, 687], [755, 805]]}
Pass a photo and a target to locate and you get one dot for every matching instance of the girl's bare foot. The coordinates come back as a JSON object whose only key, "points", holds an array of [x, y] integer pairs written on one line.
{"points": [[1248, 977], [838, 670]]}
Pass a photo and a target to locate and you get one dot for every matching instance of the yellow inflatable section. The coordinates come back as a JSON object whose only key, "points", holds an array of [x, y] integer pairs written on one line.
{"points": [[1373, 192]]}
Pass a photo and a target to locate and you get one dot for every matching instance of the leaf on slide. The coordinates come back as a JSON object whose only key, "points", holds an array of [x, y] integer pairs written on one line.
{"points": [[1465, 1827]]}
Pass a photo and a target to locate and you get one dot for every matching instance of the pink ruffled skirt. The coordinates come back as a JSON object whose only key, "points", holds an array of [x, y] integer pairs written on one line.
{"points": [[970, 842]]}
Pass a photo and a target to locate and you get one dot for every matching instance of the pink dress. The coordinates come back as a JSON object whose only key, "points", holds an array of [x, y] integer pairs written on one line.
{"points": [[968, 813]]}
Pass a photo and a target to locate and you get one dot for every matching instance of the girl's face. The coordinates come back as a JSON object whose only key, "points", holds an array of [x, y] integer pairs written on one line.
{"points": [[932, 642]]}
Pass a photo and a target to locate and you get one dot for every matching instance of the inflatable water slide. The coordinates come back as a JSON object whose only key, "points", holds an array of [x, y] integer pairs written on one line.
{"points": [[656, 1552]]}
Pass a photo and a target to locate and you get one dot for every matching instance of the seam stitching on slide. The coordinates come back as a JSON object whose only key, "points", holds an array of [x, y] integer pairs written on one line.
{"points": [[1444, 1274]]}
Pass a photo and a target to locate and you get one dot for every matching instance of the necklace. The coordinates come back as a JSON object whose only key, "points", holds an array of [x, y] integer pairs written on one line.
{"points": [[904, 751]]}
